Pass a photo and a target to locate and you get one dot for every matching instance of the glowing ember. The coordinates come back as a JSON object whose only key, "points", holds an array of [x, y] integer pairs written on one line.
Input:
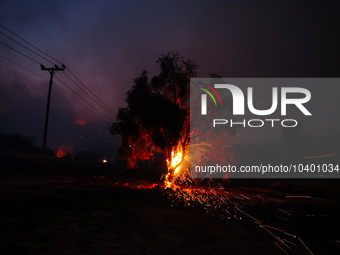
{"points": [[216, 201]]}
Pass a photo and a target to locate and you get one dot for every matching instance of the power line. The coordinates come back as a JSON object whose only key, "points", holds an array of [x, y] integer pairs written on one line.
{"points": [[26, 48], [59, 87], [35, 62], [99, 102], [74, 98], [87, 93], [29, 43], [103, 104], [82, 98], [91, 91], [20, 53], [22, 66], [74, 92]]}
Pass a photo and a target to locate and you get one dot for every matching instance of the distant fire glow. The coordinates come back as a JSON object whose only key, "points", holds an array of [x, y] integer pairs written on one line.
{"points": [[81, 122], [60, 153]]}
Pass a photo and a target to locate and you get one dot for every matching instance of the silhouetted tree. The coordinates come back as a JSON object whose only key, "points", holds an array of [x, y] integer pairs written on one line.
{"points": [[157, 116], [17, 142]]}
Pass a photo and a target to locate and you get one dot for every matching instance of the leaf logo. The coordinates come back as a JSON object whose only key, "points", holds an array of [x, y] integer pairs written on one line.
{"points": [[204, 97], [210, 94]]}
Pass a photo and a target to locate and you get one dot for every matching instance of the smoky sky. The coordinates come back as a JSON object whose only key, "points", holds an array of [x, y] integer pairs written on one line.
{"points": [[108, 43]]}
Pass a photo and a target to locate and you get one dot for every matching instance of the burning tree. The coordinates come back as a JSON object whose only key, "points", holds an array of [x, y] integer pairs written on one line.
{"points": [[157, 116], [157, 119]]}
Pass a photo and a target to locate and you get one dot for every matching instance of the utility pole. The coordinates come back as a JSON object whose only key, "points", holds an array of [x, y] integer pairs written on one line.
{"points": [[52, 71]]}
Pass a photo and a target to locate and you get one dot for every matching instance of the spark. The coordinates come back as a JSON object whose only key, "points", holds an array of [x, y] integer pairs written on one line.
{"points": [[289, 234], [284, 211], [260, 198], [278, 229], [281, 248], [248, 215], [289, 242], [276, 237], [297, 196], [312, 215], [322, 156], [305, 246], [282, 218], [263, 101]]}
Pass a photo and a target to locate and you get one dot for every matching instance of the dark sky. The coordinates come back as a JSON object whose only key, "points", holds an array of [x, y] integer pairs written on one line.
{"points": [[108, 43]]}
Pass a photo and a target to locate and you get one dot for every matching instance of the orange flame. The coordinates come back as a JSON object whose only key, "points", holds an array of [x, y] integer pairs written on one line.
{"points": [[176, 167], [176, 159]]}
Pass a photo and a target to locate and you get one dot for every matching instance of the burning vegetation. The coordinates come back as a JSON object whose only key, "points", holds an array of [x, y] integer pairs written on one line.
{"points": [[157, 118]]}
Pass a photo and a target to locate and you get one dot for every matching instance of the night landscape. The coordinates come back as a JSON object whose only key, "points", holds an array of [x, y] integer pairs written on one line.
{"points": [[98, 128]]}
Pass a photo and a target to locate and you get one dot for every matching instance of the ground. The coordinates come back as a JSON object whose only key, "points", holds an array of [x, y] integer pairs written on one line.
{"points": [[79, 208]]}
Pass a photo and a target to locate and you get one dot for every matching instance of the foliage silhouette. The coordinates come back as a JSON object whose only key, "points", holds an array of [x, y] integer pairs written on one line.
{"points": [[157, 116], [17, 142]]}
